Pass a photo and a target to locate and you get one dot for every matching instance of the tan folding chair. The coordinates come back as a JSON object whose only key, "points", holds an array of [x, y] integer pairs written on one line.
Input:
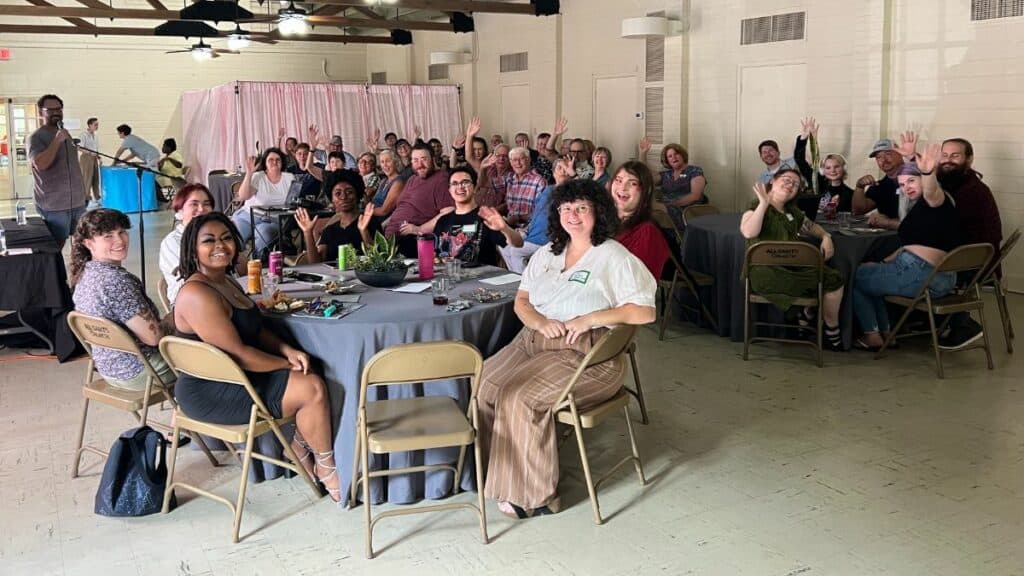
{"points": [[683, 277], [235, 202], [93, 331], [207, 362], [972, 257], [636, 391], [695, 211], [161, 292], [406, 424], [612, 345], [992, 279], [791, 255]]}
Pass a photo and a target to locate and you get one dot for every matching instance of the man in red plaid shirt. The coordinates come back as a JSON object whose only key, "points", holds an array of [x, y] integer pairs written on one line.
{"points": [[522, 186]]}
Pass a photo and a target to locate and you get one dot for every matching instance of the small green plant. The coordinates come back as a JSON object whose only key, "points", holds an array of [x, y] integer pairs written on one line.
{"points": [[380, 256]]}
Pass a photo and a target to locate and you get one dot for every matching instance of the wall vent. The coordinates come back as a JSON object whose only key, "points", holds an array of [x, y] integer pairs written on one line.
{"points": [[379, 78], [437, 72], [991, 9], [776, 28], [518, 62], [654, 114], [655, 56]]}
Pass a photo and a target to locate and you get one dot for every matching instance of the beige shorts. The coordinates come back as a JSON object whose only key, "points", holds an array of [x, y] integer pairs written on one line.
{"points": [[138, 383]]}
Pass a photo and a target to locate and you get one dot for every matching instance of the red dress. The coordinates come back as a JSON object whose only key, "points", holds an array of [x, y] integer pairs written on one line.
{"points": [[647, 243]]}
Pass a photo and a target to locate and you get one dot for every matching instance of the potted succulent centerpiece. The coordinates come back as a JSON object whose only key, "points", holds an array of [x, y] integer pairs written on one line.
{"points": [[381, 265]]}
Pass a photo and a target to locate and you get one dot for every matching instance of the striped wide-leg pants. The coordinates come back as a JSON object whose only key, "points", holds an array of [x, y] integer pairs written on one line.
{"points": [[519, 387]]}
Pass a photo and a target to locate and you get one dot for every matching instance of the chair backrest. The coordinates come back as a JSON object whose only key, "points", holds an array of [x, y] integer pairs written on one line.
{"points": [[202, 360], [234, 189], [613, 344], [966, 258], [793, 254], [697, 210], [1005, 249], [161, 292], [422, 362], [216, 172], [95, 331]]}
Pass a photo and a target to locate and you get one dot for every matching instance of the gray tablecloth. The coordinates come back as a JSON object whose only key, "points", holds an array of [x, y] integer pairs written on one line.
{"points": [[714, 245], [220, 188], [343, 347]]}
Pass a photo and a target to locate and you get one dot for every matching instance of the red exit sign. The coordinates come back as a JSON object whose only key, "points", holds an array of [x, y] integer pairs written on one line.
{"points": [[5, 53]]}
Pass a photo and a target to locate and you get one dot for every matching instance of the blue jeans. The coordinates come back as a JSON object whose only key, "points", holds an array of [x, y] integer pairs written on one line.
{"points": [[267, 230], [901, 277], [61, 223]]}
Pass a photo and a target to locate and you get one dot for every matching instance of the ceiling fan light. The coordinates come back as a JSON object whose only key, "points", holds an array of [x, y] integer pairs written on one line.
{"points": [[202, 54], [238, 42], [293, 26]]}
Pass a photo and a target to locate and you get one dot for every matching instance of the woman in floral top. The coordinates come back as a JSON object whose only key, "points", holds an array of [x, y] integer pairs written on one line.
{"points": [[103, 288]]}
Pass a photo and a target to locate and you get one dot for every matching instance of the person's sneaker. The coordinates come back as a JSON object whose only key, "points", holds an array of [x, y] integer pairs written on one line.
{"points": [[960, 337]]}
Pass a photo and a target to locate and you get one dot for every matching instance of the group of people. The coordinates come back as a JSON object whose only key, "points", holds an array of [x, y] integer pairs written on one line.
{"points": [[932, 198]]}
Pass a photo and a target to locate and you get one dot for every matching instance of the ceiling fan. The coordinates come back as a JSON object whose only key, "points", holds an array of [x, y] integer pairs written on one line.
{"points": [[290, 20], [203, 51]]}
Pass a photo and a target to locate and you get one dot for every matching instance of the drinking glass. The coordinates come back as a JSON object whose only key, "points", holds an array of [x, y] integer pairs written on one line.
{"points": [[453, 269], [844, 219], [269, 284], [439, 287]]}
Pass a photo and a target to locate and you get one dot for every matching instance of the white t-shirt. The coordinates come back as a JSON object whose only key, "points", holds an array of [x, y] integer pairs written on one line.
{"points": [[268, 193], [606, 277], [170, 250]]}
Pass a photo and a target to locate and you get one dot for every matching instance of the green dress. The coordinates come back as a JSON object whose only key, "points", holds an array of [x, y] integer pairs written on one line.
{"points": [[780, 285]]}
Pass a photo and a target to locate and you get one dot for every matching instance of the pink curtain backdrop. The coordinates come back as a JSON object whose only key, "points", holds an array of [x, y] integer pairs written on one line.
{"points": [[223, 124]]}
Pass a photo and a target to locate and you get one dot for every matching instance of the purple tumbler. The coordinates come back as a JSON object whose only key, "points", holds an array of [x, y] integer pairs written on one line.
{"points": [[425, 251]]}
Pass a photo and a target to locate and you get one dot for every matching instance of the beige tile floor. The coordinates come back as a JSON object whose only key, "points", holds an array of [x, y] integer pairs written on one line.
{"points": [[770, 467]]}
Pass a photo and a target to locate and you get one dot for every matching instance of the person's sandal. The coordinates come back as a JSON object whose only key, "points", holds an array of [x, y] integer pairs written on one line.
{"points": [[321, 458], [308, 455]]}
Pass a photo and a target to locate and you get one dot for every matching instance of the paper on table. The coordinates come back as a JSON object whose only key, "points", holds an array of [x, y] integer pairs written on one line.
{"points": [[19, 251], [412, 287], [503, 279]]}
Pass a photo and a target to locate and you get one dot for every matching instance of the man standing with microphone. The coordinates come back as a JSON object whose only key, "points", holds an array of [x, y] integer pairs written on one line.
{"points": [[59, 192]]}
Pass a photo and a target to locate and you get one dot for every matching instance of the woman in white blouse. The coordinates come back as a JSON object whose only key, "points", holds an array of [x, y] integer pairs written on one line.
{"points": [[264, 185], [191, 201], [574, 287]]}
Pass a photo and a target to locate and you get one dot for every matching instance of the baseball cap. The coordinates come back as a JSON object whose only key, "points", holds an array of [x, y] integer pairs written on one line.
{"points": [[881, 146]]}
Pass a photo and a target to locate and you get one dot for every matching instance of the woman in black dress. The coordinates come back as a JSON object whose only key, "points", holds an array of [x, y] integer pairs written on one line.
{"points": [[212, 308]]}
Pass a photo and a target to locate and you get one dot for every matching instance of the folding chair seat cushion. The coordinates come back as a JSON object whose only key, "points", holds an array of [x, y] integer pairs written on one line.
{"points": [[416, 424]]}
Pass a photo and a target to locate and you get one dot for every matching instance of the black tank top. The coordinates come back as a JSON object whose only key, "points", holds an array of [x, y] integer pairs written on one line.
{"points": [[248, 322], [937, 227]]}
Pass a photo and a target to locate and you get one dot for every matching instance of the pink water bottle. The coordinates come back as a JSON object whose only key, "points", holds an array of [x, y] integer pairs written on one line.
{"points": [[425, 250]]}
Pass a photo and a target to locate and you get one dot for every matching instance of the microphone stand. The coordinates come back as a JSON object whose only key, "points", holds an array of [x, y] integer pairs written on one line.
{"points": [[139, 171]]}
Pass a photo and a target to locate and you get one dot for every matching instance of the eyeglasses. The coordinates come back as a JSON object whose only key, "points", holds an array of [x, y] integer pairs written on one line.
{"points": [[579, 210], [464, 184], [57, 109]]}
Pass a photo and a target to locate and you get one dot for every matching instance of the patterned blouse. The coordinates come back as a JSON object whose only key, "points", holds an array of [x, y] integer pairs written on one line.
{"points": [[109, 291], [676, 188]]}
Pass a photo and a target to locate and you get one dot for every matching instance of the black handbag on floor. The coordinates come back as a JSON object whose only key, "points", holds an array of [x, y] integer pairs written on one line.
{"points": [[135, 475]]}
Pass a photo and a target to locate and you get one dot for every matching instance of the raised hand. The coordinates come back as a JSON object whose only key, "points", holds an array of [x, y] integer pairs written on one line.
{"points": [[908, 144], [252, 164], [313, 133], [645, 145], [407, 229], [417, 132], [303, 220], [459, 141], [929, 158], [364, 219], [281, 133], [761, 191], [808, 127], [560, 127], [492, 218], [488, 161], [473, 129], [564, 170]]}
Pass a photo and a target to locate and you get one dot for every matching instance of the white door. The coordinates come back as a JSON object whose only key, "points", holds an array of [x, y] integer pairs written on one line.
{"points": [[773, 99], [616, 120], [515, 112]]}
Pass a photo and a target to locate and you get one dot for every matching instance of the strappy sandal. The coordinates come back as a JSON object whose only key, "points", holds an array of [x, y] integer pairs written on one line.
{"points": [[321, 458], [298, 439]]}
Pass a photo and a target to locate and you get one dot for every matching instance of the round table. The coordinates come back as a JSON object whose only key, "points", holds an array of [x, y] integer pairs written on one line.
{"points": [[220, 189], [343, 346], [713, 245]]}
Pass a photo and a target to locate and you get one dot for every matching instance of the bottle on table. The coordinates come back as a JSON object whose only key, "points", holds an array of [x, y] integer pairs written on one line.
{"points": [[21, 213]]}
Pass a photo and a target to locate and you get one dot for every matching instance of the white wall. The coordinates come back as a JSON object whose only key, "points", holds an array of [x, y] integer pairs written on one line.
{"points": [[132, 81]]}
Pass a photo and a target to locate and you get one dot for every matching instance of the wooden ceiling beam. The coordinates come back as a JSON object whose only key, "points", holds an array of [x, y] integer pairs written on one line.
{"points": [[78, 22], [446, 5], [96, 31]]}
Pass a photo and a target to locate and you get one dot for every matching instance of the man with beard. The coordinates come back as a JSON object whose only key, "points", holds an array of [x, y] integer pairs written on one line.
{"points": [[979, 223], [424, 198], [881, 194], [58, 188]]}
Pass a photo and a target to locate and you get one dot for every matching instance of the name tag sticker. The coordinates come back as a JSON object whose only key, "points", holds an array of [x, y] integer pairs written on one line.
{"points": [[469, 228], [790, 217], [580, 276]]}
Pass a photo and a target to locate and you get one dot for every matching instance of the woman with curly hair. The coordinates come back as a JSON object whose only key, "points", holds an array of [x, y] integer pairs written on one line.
{"points": [[573, 289], [105, 289], [213, 309]]}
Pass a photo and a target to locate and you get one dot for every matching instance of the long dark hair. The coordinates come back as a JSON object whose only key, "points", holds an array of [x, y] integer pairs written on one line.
{"points": [[606, 218], [272, 150], [643, 174], [188, 260], [92, 224]]}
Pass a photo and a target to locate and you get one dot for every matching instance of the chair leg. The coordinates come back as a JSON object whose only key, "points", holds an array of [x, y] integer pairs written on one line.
{"points": [[366, 495], [458, 470], [637, 464], [1004, 317], [893, 332], [586, 466], [478, 457], [354, 484], [639, 388], [290, 453], [820, 332], [935, 341], [169, 490], [81, 439], [666, 308], [243, 484], [984, 332], [206, 449], [746, 326]]}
